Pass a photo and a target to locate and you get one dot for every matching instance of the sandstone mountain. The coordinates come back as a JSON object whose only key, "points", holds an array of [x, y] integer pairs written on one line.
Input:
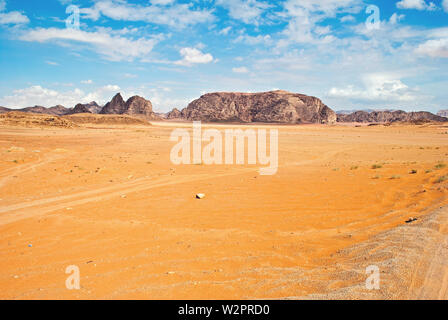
{"points": [[274, 106], [56, 110], [389, 116], [135, 106], [443, 113], [174, 114]]}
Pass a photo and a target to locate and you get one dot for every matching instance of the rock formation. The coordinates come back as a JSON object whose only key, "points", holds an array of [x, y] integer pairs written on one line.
{"points": [[116, 106], [56, 110], [135, 106], [273, 106], [174, 114], [389, 116]]}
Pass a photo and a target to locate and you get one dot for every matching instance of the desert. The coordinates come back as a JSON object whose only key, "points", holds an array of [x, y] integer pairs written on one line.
{"points": [[105, 197], [222, 158]]}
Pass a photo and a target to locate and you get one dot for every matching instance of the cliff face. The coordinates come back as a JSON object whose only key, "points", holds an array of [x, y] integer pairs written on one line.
{"points": [[174, 114], [115, 106], [389, 116], [273, 106], [135, 106]]}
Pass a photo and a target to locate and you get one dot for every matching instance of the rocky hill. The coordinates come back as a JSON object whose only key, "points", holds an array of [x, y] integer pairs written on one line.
{"points": [[274, 106], [34, 120], [56, 110], [135, 106], [443, 113], [174, 114], [389, 116]]}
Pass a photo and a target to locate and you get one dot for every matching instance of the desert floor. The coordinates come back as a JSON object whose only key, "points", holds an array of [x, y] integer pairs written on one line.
{"points": [[108, 200]]}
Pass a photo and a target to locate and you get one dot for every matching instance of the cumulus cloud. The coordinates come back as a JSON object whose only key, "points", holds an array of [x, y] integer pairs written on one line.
{"points": [[304, 17], [377, 87], [12, 17], [416, 4], [112, 47], [163, 12], [38, 95], [191, 56], [434, 48], [247, 11]]}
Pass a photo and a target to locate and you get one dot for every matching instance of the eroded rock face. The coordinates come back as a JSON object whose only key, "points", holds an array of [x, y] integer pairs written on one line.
{"points": [[273, 106], [174, 114], [139, 106], [389, 116], [135, 106], [115, 106]]}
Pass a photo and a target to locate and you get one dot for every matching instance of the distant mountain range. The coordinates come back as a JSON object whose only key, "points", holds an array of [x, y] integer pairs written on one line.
{"points": [[273, 106], [390, 116], [135, 106]]}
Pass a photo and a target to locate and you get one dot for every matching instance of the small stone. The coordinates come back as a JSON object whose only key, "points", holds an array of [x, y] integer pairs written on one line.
{"points": [[411, 219], [30, 245], [200, 196]]}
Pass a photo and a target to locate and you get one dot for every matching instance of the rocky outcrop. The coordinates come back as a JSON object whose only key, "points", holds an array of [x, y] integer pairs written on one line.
{"points": [[443, 113], [33, 120], [390, 116], [116, 106], [135, 106], [174, 114], [273, 106], [56, 110]]}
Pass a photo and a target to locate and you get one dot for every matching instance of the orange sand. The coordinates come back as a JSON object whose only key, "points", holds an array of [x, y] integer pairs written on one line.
{"points": [[109, 201]]}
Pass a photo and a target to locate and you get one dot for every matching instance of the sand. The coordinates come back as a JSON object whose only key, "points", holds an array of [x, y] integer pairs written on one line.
{"points": [[108, 200]]}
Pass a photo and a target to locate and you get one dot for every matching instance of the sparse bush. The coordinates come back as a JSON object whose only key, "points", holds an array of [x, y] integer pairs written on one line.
{"points": [[442, 179], [354, 168], [377, 166], [440, 166], [394, 177]]}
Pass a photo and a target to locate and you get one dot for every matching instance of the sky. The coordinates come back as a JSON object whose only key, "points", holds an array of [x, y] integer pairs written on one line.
{"points": [[352, 54]]}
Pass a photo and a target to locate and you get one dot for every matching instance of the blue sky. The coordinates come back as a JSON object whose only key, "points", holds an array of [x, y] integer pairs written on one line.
{"points": [[173, 51]]}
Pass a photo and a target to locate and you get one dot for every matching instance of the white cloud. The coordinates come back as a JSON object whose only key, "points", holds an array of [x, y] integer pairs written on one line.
{"points": [[164, 12], [248, 11], [253, 40], [445, 5], [434, 48], [38, 95], [87, 81], [115, 48], [416, 4], [377, 87], [225, 31], [304, 17], [348, 18], [192, 56], [240, 70], [162, 2], [2, 5], [13, 17], [52, 63], [395, 18]]}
